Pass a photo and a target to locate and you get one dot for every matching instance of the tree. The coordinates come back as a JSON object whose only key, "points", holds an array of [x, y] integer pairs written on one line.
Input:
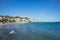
{"points": [[11, 21], [4, 20]]}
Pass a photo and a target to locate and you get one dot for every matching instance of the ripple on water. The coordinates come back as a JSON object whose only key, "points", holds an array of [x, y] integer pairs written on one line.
{"points": [[31, 31]]}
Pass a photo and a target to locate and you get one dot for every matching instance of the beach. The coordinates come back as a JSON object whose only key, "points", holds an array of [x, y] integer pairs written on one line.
{"points": [[1, 25]]}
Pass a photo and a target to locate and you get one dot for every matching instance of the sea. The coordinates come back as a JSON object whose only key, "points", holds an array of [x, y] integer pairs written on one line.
{"points": [[31, 31]]}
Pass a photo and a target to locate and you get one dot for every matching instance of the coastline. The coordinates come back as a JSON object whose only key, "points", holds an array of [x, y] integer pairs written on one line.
{"points": [[1, 25], [10, 23]]}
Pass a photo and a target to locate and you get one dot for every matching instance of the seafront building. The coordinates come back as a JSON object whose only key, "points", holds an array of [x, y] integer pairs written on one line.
{"points": [[11, 19], [0, 18], [17, 20]]}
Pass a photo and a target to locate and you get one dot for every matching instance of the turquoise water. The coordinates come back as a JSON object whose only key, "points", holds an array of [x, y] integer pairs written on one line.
{"points": [[31, 31]]}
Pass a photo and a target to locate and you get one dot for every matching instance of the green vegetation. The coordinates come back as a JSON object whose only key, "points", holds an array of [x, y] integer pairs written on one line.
{"points": [[11, 19]]}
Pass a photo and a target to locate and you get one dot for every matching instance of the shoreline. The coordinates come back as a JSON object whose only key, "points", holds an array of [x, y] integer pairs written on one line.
{"points": [[1, 25]]}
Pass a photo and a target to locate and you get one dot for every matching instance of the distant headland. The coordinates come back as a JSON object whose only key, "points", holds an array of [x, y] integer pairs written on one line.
{"points": [[14, 19]]}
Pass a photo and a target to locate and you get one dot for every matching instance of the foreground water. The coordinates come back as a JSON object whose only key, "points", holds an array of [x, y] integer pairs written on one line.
{"points": [[31, 31]]}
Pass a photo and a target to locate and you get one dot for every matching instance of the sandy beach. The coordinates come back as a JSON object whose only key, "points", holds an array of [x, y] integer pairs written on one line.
{"points": [[1, 25]]}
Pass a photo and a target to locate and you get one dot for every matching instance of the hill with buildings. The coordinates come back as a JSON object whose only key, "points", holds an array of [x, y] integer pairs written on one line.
{"points": [[16, 19]]}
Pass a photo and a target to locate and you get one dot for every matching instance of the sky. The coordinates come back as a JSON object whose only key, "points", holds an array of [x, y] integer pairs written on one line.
{"points": [[43, 10]]}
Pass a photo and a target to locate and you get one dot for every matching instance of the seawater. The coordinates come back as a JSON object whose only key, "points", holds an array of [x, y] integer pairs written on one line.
{"points": [[31, 31]]}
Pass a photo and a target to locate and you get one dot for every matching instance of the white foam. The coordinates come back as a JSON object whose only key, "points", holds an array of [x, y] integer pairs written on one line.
{"points": [[12, 32]]}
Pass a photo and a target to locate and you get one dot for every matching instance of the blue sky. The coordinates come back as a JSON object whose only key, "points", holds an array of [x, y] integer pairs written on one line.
{"points": [[44, 10]]}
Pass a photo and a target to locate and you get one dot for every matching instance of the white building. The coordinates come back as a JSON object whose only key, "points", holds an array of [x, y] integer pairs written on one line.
{"points": [[17, 19], [0, 18]]}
